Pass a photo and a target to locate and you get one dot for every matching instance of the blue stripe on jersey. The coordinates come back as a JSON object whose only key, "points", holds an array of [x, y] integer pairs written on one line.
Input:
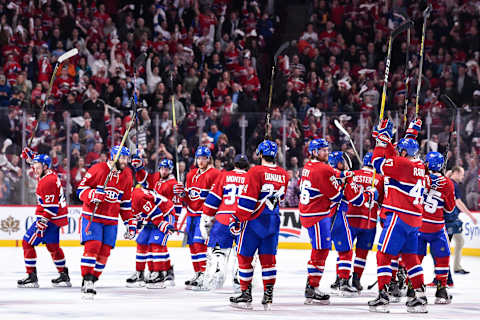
{"points": [[204, 194], [157, 212], [53, 210], [313, 193], [246, 204], [80, 190], [178, 209], [358, 200], [125, 205], [213, 200], [378, 164], [399, 185]]}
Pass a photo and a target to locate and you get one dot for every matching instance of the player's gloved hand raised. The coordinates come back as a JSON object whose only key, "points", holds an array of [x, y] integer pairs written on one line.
{"points": [[166, 227], [137, 162], [206, 223], [131, 226], [28, 154], [413, 128], [234, 225], [179, 190], [41, 224], [98, 195], [347, 175], [385, 131]]}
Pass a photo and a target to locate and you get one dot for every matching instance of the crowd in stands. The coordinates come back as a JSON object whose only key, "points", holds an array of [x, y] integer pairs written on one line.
{"points": [[211, 60]]}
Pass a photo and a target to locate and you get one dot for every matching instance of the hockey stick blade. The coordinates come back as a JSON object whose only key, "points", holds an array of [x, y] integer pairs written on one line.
{"points": [[140, 60], [401, 28], [446, 99], [68, 55], [427, 11], [341, 128]]}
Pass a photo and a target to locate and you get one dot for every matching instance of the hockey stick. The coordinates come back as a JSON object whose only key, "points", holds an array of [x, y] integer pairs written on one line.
{"points": [[407, 58], [345, 132], [372, 285], [174, 123], [67, 55], [426, 14], [450, 104]]}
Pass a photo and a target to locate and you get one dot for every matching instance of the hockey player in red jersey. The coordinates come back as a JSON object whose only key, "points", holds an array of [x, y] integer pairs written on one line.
{"points": [[198, 184], [363, 219], [439, 197], [99, 233], [51, 215], [257, 224], [163, 182], [217, 209], [155, 210], [405, 181]]}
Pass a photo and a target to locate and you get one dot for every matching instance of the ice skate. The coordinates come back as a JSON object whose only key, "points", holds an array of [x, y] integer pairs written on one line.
{"points": [[418, 303], [268, 297], [137, 280], [88, 287], [335, 285], [244, 300], [63, 279], [314, 296], [381, 303], [170, 277], [31, 281], [442, 296], [197, 283], [156, 281], [394, 292], [345, 290], [356, 282]]}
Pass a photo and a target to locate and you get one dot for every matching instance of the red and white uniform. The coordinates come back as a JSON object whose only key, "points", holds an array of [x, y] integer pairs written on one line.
{"points": [[51, 199], [197, 187], [153, 207], [118, 194], [436, 201]]}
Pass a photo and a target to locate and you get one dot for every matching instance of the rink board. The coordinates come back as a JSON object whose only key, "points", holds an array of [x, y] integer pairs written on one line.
{"points": [[15, 220]]}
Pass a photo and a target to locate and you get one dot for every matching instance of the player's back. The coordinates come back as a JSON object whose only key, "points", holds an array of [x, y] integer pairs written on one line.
{"points": [[198, 185], [221, 201], [51, 199], [436, 200], [151, 205], [319, 188]]}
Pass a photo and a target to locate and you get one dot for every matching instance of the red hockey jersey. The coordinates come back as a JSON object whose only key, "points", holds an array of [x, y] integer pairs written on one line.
{"points": [[222, 198], [151, 206], [359, 216], [51, 200], [404, 184], [436, 200], [265, 186], [319, 191], [118, 194], [197, 186]]}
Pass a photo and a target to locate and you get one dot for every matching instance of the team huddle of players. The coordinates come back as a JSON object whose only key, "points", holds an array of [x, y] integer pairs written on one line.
{"points": [[239, 210]]}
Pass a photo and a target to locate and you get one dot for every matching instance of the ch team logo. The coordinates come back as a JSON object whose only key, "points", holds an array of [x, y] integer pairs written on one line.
{"points": [[111, 194], [194, 193]]}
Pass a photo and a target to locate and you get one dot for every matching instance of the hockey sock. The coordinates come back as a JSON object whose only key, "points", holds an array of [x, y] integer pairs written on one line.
{"points": [[30, 256], [360, 261], [198, 252], [160, 257], [316, 266], [441, 269], [344, 264], [89, 258], [384, 269], [141, 257], [57, 255], [394, 265], [245, 271], [269, 270], [101, 260], [414, 269]]}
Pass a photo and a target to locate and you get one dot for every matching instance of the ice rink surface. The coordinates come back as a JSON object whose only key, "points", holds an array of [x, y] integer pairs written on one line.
{"points": [[115, 301]]}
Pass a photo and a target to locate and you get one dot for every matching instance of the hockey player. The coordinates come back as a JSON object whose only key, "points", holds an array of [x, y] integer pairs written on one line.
{"points": [[198, 184], [99, 235], [257, 223], [320, 191], [51, 215], [219, 205], [363, 219], [439, 197], [164, 183], [155, 210], [405, 181]]}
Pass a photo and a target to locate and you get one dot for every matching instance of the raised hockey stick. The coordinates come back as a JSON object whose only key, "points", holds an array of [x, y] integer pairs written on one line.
{"points": [[67, 55], [345, 132], [405, 74], [426, 14], [450, 104], [174, 123]]}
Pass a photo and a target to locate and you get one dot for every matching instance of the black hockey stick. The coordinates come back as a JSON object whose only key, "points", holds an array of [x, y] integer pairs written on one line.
{"points": [[345, 132], [372, 285], [451, 105], [426, 14], [406, 74]]}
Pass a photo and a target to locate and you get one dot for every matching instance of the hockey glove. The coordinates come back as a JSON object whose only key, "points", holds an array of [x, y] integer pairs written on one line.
{"points": [[166, 227], [179, 190], [234, 226], [413, 128], [98, 196], [28, 154], [206, 223], [137, 163], [373, 193], [131, 226], [347, 175], [41, 224], [385, 130]]}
